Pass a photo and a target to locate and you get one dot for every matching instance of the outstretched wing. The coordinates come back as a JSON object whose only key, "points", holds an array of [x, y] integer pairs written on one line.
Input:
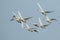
{"points": [[39, 6], [14, 14], [27, 26], [36, 30], [36, 25], [22, 24], [47, 18], [33, 28], [20, 15], [46, 25], [27, 18], [49, 11], [40, 21], [53, 19]]}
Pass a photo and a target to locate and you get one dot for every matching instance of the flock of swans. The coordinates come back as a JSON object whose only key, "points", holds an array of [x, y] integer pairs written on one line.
{"points": [[22, 20]]}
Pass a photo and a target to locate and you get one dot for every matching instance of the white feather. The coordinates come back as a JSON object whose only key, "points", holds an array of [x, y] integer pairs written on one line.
{"points": [[27, 26], [22, 24], [20, 15], [40, 7], [47, 18], [40, 21], [14, 14]]}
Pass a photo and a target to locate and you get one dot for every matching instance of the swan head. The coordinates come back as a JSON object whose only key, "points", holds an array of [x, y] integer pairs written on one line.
{"points": [[13, 18]]}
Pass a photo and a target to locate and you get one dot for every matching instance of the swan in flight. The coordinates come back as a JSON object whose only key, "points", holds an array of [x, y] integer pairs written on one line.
{"points": [[40, 24], [30, 29], [19, 18], [50, 20], [43, 11]]}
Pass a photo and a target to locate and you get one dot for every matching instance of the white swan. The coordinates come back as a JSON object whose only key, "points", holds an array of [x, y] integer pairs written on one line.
{"points": [[19, 18], [40, 24], [30, 29], [50, 20], [43, 11]]}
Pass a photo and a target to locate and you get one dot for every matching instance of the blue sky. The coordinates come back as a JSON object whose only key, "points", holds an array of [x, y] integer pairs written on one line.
{"points": [[13, 31]]}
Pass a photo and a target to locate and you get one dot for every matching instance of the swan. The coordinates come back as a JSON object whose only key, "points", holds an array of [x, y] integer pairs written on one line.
{"points": [[43, 11], [50, 20], [42, 25], [19, 18], [30, 29]]}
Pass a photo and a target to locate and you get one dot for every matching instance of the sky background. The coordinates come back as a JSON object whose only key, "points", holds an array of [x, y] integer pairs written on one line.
{"points": [[13, 31]]}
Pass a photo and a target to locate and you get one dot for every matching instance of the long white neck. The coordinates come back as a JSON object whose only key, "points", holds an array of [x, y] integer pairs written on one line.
{"points": [[40, 21], [39, 6]]}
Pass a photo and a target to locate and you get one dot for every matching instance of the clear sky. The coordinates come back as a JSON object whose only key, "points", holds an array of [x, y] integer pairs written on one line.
{"points": [[13, 31]]}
